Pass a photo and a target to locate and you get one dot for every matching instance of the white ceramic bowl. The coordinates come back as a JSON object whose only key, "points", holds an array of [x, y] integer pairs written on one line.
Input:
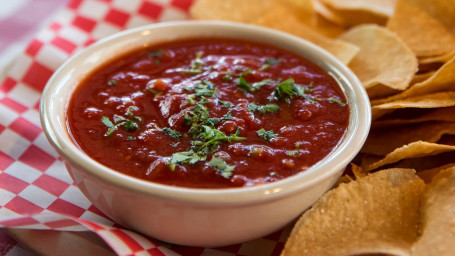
{"points": [[199, 217]]}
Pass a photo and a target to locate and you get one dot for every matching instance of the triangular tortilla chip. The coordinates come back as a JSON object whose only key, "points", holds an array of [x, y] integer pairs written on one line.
{"points": [[425, 34], [344, 51], [384, 141], [436, 100], [439, 114], [374, 214], [355, 12], [383, 58], [442, 80], [412, 150], [437, 217]]}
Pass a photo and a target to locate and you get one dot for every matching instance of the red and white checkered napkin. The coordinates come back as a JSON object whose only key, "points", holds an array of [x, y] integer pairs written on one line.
{"points": [[36, 191]]}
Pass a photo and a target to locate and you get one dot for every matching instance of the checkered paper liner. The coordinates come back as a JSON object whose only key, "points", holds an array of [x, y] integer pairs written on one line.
{"points": [[36, 192]]}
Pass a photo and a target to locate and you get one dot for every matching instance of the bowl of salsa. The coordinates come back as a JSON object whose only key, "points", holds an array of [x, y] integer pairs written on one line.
{"points": [[204, 133]]}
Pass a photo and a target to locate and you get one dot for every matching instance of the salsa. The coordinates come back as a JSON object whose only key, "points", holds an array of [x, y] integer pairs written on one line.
{"points": [[208, 113]]}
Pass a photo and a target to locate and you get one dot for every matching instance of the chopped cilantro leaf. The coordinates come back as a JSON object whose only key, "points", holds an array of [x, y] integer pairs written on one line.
{"points": [[226, 117], [172, 133], [263, 109], [225, 104], [337, 101], [205, 88], [221, 166], [186, 157], [105, 120], [155, 92], [247, 87], [111, 83], [287, 90], [130, 138], [266, 135], [157, 53], [196, 65], [269, 62], [129, 123]]}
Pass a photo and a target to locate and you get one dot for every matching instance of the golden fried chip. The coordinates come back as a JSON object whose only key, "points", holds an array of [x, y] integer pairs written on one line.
{"points": [[435, 100], [374, 214], [418, 78], [344, 51], [444, 11], [384, 141], [354, 12], [412, 150], [292, 16], [424, 33], [242, 11], [435, 59], [442, 80], [439, 114], [383, 59], [437, 216], [428, 175]]}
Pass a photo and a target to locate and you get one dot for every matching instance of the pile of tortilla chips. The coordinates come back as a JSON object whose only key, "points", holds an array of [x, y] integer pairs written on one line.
{"points": [[403, 51]]}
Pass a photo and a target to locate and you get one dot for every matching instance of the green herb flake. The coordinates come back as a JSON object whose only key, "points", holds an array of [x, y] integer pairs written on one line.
{"points": [[157, 53], [130, 125], [186, 157], [111, 83], [266, 135], [175, 144], [268, 63], [263, 109], [172, 133], [225, 104], [337, 101], [111, 127], [205, 88], [288, 90], [221, 166], [226, 117], [130, 138], [196, 65], [296, 152], [155, 92]]}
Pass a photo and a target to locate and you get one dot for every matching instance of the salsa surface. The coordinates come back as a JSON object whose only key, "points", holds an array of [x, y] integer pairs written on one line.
{"points": [[208, 113]]}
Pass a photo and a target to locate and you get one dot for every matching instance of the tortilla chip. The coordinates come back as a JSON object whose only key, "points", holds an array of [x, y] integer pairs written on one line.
{"points": [[358, 171], [437, 216], [428, 175], [344, 51], [444, 11], [383, 59], [328, 13], [412, 150], [442, 80], [380, 7], [355, 12], [374, 214], [418, 78], [243, 11], [436, 100], [436, 59], [425, 34], [439, 114], [384, 141]]}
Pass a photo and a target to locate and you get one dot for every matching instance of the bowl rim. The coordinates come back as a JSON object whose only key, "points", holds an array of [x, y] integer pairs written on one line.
{"points": [[344, 152]]}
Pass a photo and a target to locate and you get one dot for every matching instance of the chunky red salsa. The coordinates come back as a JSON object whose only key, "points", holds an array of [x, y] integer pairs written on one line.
{"points": [[208, 113]]}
